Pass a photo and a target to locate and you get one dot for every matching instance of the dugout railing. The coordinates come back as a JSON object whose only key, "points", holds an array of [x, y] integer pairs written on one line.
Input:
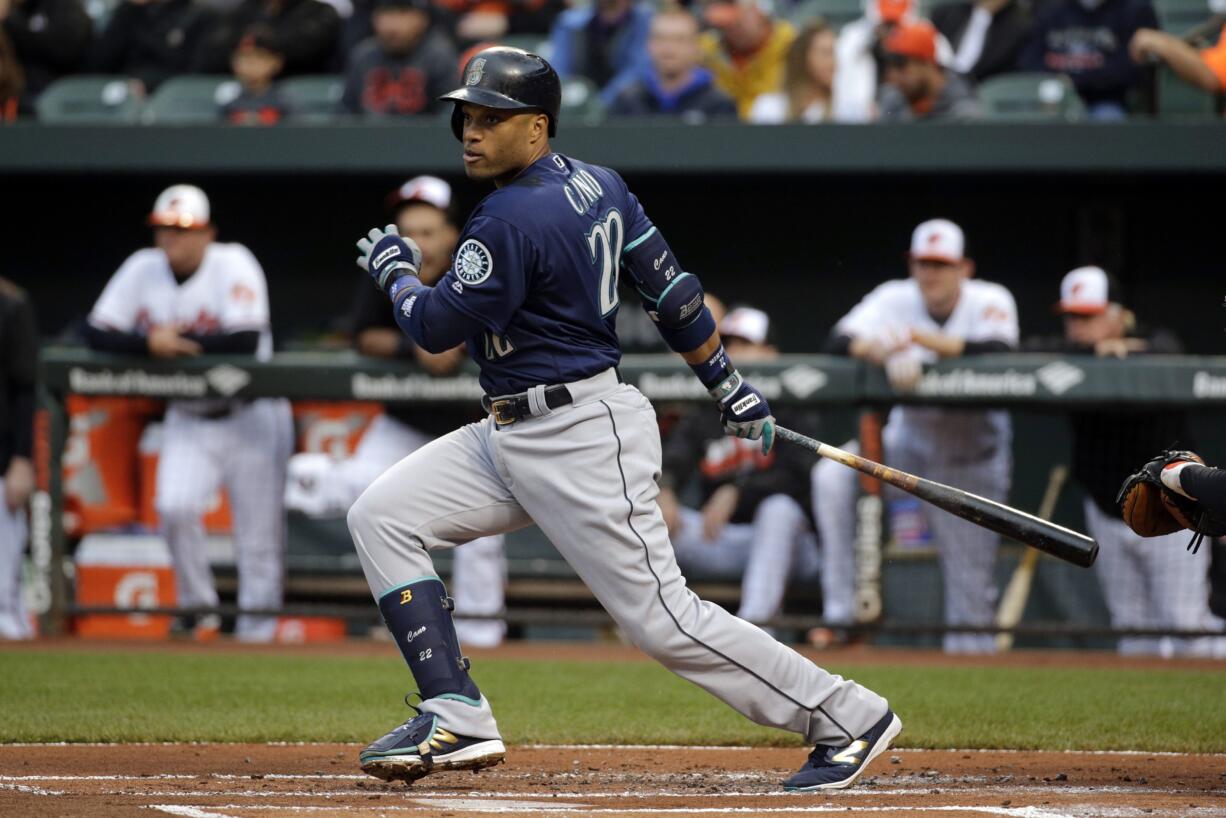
{"points": [[543, 592]]}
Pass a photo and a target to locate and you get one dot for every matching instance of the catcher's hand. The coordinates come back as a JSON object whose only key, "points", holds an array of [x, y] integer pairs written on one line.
{"points": [[1151, 509]]}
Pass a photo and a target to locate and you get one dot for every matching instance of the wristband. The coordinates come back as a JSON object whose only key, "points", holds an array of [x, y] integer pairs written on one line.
{"points": [[1170, 477], [402, 284], [718, 375]]}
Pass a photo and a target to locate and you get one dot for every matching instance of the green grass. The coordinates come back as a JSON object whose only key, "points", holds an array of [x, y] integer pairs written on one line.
{"points": [[68, 696]]}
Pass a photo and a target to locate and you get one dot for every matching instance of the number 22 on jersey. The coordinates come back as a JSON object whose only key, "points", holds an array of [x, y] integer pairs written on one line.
{"points": [[605, 241]]}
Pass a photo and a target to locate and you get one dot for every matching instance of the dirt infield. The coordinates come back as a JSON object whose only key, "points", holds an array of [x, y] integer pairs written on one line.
{"points": [[320, 781], [280, 781]]}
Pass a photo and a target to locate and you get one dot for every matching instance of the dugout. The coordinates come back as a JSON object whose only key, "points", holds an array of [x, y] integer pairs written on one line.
{"points": [[799, 221]]}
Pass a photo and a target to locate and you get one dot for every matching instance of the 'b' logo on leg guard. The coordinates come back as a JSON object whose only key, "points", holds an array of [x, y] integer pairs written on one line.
{"points": [[406, 597]]}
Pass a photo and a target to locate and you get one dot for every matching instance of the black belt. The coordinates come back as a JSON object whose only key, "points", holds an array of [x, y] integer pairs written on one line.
{"points": [[512, 408]]}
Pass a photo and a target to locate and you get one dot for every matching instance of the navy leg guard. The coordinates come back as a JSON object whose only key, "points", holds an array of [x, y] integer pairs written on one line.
{"points": [[419, 616]]}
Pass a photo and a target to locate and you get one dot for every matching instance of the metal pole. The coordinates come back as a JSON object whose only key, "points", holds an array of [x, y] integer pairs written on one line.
{"points": [[48, 549]]}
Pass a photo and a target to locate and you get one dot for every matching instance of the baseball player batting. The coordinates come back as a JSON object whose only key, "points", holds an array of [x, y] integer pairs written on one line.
{"points": [[533, 291]]}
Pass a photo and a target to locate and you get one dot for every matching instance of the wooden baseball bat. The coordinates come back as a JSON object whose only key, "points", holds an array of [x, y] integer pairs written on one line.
{"points": [[1049, 538], [1013, 600]]}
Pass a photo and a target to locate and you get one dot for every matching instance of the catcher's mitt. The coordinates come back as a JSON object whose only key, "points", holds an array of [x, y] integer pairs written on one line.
{"points": [[1151, 509]]}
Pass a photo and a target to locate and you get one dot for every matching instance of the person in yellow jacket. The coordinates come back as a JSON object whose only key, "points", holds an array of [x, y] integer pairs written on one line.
{"points": [[746, 51]]}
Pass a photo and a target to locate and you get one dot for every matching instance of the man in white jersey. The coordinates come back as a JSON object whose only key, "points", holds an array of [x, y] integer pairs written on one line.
{"points": [[322, 486], [940, 311], [185, 296]]}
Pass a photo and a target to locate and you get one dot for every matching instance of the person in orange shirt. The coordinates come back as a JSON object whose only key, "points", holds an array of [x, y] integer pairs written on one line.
{"points": [[1205, 69]]}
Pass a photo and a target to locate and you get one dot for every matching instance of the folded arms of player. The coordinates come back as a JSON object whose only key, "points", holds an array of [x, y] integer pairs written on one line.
{"points": [[674, 301], [169, 342], [393, 262]]}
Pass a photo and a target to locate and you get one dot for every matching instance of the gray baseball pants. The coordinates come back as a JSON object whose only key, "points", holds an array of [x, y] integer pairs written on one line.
{"points": [[586, 474]]}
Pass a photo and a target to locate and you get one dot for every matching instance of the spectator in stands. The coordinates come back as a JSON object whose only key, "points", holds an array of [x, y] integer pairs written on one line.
{"points": [[753, 519], [987, 36], [320, 486], [18, 365], [151, 40], [808, 81], [1204, 68], [307, 32], [675, 84], [1148, 583], [747, 51], [917, 87], [1088, 40], [257, 62], [940, 311], [605, 42], [50, 38], [404, 67], [857, 52], [12, 79], [473, 21]]}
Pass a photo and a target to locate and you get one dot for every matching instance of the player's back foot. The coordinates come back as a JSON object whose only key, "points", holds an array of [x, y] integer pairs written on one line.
{"points": [[834, 768], [422, 746]]}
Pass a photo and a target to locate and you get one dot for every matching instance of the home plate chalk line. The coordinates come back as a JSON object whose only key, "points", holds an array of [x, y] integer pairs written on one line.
{"points": [[530, 808]]}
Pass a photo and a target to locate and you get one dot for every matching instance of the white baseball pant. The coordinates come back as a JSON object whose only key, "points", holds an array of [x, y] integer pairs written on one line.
{"points": [[14, 621], [1154, 583], [246, 452], [586, 474], [966, 552]]}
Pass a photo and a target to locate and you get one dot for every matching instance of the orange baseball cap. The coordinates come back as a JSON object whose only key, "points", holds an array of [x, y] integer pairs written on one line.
{"points": [[891, 11], [916, 40]]}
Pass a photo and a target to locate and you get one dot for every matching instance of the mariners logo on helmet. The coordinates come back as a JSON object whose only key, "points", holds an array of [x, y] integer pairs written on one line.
{"points": [[473, 263], [475, 71]]}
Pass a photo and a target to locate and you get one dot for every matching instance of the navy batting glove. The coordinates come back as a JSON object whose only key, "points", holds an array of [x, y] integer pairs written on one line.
{"points": [[387, 256], [746, 414]]}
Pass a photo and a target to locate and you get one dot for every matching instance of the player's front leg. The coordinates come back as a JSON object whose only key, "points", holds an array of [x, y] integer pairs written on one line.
{"points": [[446, 493]]}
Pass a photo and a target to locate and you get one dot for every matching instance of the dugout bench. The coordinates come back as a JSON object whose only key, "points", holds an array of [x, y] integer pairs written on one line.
{"points": [[321, 565]]}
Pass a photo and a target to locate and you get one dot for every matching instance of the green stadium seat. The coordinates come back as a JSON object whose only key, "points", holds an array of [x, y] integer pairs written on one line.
{"points": [[924, 7], [1180, 100], [313, 98], [1033, 97], [581, 101], [190, 99], [835, 12], [90, 99], [1178, 16]]}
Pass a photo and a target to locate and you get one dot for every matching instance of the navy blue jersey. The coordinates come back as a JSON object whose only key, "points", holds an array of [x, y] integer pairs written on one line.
{"points": [[533, 285]]}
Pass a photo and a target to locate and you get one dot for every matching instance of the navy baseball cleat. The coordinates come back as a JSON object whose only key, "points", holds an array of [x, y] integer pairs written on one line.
{"points": [[833, 768], [420, 747]]}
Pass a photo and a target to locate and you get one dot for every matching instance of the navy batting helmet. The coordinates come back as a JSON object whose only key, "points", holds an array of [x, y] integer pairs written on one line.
{"points": [[509, 79]]}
